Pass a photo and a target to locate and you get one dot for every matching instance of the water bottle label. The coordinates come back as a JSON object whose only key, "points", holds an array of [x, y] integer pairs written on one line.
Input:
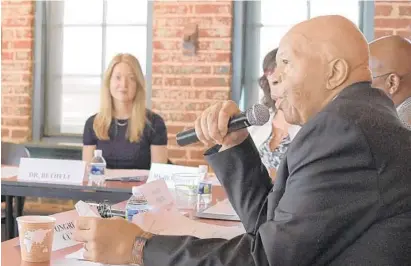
{"points": [[97, 170], [204, 188]]}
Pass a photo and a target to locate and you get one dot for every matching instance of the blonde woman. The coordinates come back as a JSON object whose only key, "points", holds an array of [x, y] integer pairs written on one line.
{"points": [[130, 136]]}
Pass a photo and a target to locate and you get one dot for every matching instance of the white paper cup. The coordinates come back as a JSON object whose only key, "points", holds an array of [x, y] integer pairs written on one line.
{"points": [[36, 237]]}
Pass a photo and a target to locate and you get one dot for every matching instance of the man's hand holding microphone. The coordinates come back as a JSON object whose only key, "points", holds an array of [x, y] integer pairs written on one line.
{"points": [[212, 126], [224, 124]]}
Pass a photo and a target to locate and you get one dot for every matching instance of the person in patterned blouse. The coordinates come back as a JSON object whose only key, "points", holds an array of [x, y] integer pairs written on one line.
{"points": [[391, 69], [272, 139]]}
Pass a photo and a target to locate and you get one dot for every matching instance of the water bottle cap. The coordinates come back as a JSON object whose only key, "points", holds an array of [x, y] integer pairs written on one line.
{"points": [[98, 153]]}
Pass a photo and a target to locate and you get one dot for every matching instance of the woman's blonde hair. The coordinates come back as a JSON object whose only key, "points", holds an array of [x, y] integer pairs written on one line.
{"points": [[137, 119]]}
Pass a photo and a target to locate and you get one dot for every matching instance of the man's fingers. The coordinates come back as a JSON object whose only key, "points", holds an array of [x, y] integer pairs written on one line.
{"points": [[85, 223], [85, 228], [228, 110], [83, 235], [199, 130], [204, 126], [90, 251], [116, 218], [212, 124], [88, 255]]}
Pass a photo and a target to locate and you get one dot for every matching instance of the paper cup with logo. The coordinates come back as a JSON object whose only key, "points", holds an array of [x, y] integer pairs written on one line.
{"points": [[36, 237]]}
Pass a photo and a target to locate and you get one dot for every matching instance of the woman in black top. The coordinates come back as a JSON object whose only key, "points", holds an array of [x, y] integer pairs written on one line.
{"points": [[130, 136]]}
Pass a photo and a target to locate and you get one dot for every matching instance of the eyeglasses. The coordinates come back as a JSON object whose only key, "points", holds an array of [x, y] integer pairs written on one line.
{"points": [[386, 74]]}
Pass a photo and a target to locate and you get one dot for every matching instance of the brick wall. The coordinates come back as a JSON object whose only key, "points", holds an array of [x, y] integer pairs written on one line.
{"points": [[17, 18], [393, 17], [183, 86]]}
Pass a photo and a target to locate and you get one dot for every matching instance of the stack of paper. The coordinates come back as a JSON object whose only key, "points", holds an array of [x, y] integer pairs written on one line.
{"points": [[223, 207], [171, 222]]}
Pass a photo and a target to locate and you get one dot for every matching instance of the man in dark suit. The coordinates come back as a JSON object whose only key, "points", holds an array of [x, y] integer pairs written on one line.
{"points": [[343, 193], [391, 68]]}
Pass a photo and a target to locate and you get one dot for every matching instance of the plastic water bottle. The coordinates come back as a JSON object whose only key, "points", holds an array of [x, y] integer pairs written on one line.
{"points": [[204, 189], [203, 170], [97, 167], [136, 204]]}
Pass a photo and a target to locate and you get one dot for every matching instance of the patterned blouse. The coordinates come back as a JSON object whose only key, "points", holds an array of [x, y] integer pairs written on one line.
{"points": [[404, 113], [272, 159]]}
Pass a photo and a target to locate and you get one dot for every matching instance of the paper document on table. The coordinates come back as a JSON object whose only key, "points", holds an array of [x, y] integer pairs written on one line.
{"points": [[84, 209], [79, 260], [223, 207], [158, 195], [171, 222], [9, 171]]}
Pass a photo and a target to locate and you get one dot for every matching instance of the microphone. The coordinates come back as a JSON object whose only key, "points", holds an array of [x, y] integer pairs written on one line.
{"points": [[257, 115]]}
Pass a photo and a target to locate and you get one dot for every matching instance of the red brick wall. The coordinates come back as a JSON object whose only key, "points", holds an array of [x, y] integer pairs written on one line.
{"points": [[17, 19], [392, 17], [183, 86]]}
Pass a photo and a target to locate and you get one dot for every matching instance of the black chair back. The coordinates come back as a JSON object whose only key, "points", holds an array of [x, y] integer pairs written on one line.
{"points": [[11, 153]]}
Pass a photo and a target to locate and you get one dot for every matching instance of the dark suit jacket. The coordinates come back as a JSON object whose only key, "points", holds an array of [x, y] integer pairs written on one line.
{"points": [[342, 195]]}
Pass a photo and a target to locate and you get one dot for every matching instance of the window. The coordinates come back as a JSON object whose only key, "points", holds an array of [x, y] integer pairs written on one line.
{"points": [[277, 17], [273, 18], [82, 37]]}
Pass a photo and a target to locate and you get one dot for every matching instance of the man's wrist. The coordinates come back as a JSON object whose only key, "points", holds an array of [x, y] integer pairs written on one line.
{"points": [[236, 139], [137, 252]]}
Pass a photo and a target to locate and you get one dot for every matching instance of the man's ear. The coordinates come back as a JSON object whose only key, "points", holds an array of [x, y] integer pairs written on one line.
{"points": [[338, 71], [392, 83]]}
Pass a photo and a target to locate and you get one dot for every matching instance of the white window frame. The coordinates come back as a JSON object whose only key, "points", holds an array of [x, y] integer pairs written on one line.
{"points": [[248, 70]]}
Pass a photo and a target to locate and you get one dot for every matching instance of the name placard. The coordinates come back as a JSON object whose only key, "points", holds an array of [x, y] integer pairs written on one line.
{"points": [[166, 171], [63, 235], [51, 170]]}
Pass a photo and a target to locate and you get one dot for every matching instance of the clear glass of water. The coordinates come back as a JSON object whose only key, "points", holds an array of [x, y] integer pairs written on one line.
{"points": [[186, 189]]}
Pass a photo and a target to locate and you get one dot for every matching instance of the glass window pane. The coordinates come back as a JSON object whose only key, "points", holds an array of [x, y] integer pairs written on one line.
{"points": [[270, 38], [275, 12], [82, 50], [127, 12], [80, 99], [131, 40], [83, 12], [348, 8]]}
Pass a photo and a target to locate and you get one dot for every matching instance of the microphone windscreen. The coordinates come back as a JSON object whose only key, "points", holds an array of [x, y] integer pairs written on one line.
{"points": [[258, 114]]}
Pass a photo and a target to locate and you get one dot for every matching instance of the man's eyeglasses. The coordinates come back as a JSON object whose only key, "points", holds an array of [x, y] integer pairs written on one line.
{"points": [[387, 74]]}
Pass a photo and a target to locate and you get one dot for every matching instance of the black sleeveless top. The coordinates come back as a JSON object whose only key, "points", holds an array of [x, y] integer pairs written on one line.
{"points": [[119, 152]]}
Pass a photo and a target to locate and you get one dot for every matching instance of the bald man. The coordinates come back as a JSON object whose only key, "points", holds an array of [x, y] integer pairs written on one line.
{"points": [[391, 67], [342, 194]]}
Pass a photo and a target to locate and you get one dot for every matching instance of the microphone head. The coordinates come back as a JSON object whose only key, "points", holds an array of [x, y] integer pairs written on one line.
{"points": [[258, 114]]}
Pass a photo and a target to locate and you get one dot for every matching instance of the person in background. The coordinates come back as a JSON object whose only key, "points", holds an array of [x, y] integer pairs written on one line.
{"points": [[342, 193], [129, 135], [273, 138], [391, 68]]}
